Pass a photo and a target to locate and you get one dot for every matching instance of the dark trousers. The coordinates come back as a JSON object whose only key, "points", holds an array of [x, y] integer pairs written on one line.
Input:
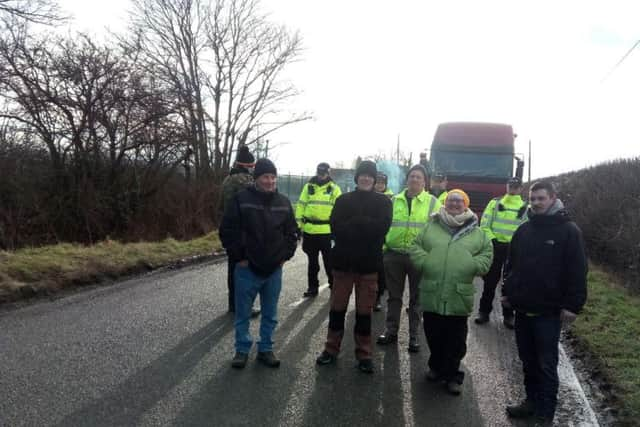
{"points": [[447, 341], [382, 280], [537, 339], [231, 266], [313, 245], [366, 286], [491, 279]]}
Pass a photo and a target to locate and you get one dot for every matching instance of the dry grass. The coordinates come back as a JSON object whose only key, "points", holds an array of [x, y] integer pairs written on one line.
{"points": [[46, 269]]}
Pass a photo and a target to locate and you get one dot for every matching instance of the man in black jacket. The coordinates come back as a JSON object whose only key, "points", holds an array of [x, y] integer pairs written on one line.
{"points": [[259, 233], [359, 222], [546, 283]]}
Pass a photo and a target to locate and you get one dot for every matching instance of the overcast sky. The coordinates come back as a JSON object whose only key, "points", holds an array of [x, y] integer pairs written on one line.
{"points": [[373, 70]]}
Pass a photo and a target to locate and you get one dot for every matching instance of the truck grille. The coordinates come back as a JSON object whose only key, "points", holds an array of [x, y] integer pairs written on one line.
{"points": [[479, 200]]}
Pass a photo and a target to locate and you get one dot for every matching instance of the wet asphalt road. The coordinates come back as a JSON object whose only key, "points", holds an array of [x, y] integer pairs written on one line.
{"points": [[156, 350]]}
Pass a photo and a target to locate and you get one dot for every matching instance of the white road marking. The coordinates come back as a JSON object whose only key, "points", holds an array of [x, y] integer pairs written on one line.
{"points": [[301, 300]]}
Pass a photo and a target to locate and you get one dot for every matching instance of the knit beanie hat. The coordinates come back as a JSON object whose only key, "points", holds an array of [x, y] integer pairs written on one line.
{"points": [[382, 177], [264, 166], [366, 167], [419, 168], [244, 157], [464, 195]]}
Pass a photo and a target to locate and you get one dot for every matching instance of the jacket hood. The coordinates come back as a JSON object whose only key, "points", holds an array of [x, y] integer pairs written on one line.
{"points": [[554, 215]]}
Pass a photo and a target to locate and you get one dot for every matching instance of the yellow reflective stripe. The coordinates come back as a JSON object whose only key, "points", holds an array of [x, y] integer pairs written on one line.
{"points": [[318, 202], [507, 221], [408, 224], [431, 205], [504, 231]]}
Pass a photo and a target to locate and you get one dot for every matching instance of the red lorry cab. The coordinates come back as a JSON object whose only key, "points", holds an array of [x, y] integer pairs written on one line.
{"points": [[476, 157]]}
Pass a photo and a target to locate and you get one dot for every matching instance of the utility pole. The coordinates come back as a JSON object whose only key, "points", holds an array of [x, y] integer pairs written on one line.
{"points": [[529, 162], [398, 150]]}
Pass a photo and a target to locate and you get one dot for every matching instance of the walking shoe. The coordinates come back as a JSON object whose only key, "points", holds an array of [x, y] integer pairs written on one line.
{"points": [[255, 312], [482, 318], [366, 366], [454, 388], [414, 347], [524, 409], [310, 294], [542, 422], [268, 358], [433, 376], [326, 358], [239, 360], [378, 306], [386, 338], [509, 322]]}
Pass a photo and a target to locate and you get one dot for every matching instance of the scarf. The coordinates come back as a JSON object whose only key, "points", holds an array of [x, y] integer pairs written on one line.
{"points": [[457, 220]]}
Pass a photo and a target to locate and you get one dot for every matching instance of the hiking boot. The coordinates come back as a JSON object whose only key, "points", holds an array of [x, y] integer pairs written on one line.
{"points": [[310, 294], [386, 338], [326, 358], [255, 312], [509, 322], [414, 346], [522, 410], [378, 306], [268, 358], [542, 422], [482, 318], [239, 360], [454, 388], [433, 376], [366, 366]]}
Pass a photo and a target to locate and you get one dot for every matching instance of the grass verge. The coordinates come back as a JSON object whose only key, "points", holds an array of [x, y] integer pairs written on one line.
{"points": [[44, 270], [608, 331]]}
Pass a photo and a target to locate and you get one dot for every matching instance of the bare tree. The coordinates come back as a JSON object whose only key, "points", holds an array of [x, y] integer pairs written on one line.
{"points": [[247, 88], [36, 11]]}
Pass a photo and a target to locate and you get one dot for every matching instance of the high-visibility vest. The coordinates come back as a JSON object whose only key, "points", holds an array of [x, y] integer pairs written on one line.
{"points": [[404, 226], [502, 216], [442, 197], [388, 193], [315, 205]]}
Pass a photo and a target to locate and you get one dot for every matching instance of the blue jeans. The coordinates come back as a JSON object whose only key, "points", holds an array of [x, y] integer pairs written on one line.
{"points": [[537, 338], [247, 287]]}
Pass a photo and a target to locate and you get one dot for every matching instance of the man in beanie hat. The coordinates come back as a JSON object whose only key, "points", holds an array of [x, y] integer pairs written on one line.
{"points": [[312, 214], [359, 222], [238, 179], [259, 232], [412, 209], [500, 219]]}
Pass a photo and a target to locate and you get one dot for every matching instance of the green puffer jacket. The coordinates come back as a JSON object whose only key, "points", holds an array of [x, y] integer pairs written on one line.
{"points": [[448, 263]]}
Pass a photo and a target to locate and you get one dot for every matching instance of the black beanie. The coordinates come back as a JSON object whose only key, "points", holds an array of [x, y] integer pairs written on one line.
{"points": [[418, 168], [323, 168], [366, 167], [244, 156], [264, 166]]}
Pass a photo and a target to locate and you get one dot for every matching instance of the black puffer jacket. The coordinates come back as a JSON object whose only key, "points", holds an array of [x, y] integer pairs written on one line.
{"points": [[259, 227], [359, 222], [546, 269]]}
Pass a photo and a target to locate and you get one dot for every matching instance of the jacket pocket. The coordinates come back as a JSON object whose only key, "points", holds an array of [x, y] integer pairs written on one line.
{"points": [[466, 291], [428, 294]]}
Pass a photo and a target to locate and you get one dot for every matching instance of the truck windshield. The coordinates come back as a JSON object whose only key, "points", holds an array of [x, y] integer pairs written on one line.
{"points": [[499, 165]]}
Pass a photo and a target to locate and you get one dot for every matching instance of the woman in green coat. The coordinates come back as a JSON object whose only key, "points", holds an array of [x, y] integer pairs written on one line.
{"points": [[449, 252]]}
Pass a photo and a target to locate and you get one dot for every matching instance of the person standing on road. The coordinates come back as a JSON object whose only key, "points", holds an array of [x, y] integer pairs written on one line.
{"points": [[382, 188], [438, 187], [500, 219], [259, 232], [448, 253], [359, 221], [545, 281], [312, 214], [238, 179], [412, 209]]}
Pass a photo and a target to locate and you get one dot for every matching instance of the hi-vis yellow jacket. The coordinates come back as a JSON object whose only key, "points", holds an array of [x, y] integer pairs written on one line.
{"points": [[315, 205], [502, 216], [404, 226]]}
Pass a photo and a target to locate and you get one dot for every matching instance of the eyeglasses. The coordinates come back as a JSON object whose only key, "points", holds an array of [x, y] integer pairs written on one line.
{"points": [[456, 200]]}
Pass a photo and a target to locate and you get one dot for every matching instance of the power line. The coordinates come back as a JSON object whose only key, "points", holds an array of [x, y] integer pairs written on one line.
{"points": [[620, 61]]}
